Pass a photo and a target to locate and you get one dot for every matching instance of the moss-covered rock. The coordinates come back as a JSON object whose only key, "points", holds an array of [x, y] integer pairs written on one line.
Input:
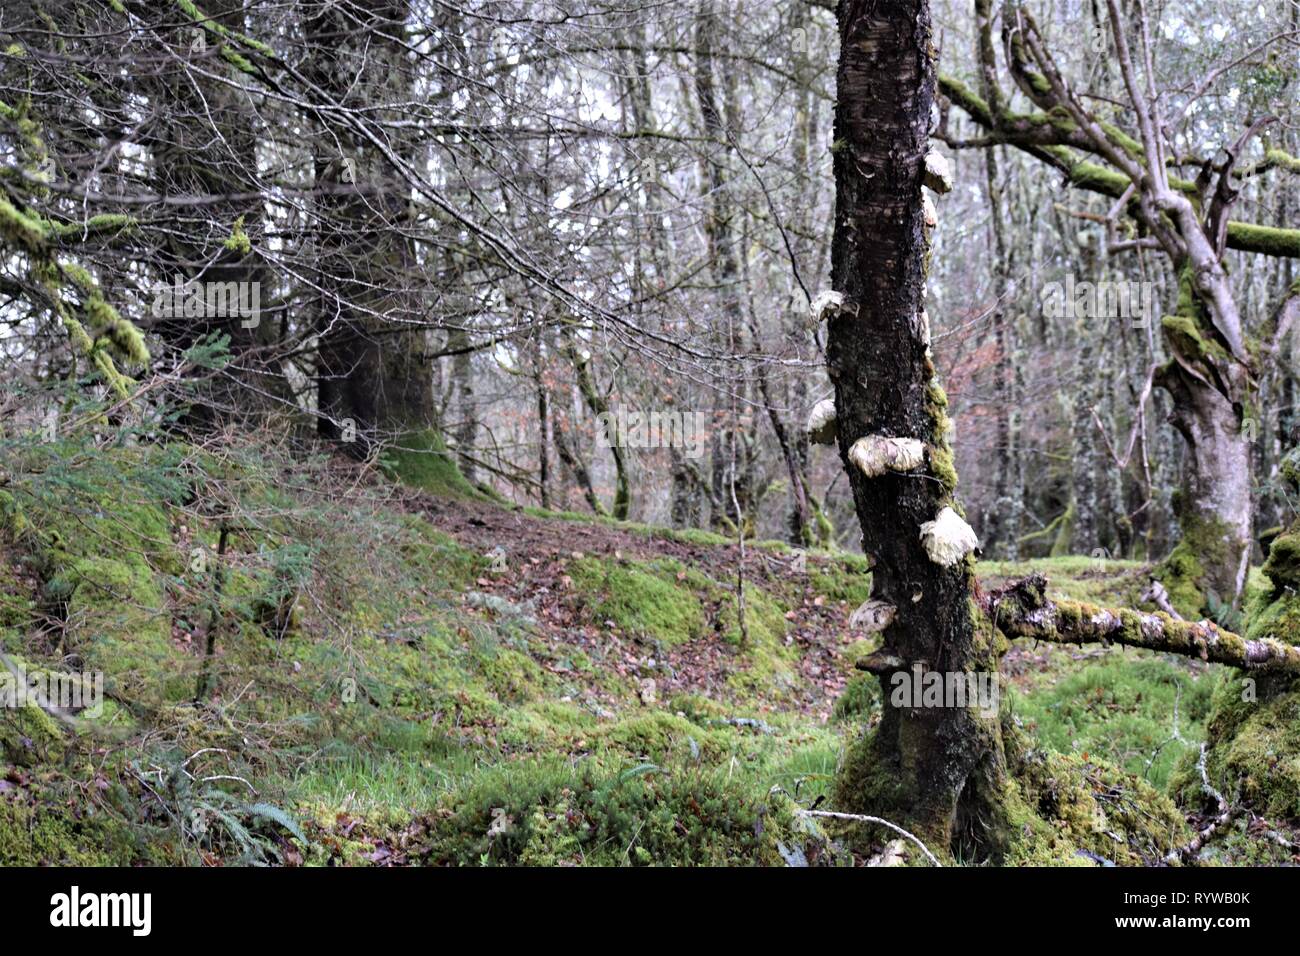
{"points": [[1283, 564], [1093, 811]]}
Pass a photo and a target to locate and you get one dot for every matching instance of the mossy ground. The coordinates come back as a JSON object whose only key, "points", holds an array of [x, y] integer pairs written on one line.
{"points": [[416, 678], [1254, 718]]}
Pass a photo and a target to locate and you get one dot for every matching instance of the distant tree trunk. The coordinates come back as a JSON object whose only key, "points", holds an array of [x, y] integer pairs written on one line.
{"points": [[373, 367], [1004, 516], [939, 769], [465, 429], [207, 146], [597, 405], [1082, 533], [577, 469], [725, 269], [543, 422], [686, 510]]}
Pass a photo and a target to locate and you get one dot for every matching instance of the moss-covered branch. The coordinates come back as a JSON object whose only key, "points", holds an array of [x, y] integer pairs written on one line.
{"points": [[1052, 138], [1024, 610]]}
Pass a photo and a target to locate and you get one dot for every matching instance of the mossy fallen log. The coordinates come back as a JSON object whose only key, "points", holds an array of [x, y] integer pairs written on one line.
{"points": [[1023, 610]]}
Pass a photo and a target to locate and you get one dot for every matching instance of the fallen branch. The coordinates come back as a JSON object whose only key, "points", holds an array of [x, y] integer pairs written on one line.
{"points": [[865, 819], [1189, 850], [1023, 609], [1157, 595]]}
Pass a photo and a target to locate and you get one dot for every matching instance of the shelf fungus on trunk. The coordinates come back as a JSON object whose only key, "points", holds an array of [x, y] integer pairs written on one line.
{"points": [[938, 174], [821, 423], [948, 539], [876, 454], [927, 209], [873, 615], [827, 303]]}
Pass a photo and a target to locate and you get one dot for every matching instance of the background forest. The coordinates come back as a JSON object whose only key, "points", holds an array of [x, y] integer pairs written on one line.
{"points": [[417, 413]]}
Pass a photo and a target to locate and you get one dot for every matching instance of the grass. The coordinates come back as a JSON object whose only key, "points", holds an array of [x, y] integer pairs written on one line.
{"points": [[1119, 708]]}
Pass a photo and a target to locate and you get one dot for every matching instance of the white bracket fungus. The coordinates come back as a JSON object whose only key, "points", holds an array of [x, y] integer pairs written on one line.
{"points": [[821, 423], [876, 454], [927, 209], [938, 174], [873, 615], [826, 303], [947, 539]]}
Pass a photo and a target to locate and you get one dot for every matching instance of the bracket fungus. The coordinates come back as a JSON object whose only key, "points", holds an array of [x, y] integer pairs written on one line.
{"points": [[825, 304], [938, 174], [948, 538], [927, 209], [821, 423], [873, 615], [876, 454]]}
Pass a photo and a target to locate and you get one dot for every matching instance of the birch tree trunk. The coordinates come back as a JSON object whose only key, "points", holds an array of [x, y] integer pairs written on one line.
{"points": [[938, 770]]}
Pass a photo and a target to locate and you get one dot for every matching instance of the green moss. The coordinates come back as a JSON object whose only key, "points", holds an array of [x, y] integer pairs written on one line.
{"points": [[640, 599], [1283, 565], [1088, 805], [95, 225], [238, 240], [421, 460], [662, 737], [1270, 240], [847, 579], [859, 699], [1254, 755], [1187, 337], [1120, 710], [54, 836], [29, 736], [437, 558], [508, 674], [544, 813], [943, 468], [764, 661], [1204, 544], [21, 229]]}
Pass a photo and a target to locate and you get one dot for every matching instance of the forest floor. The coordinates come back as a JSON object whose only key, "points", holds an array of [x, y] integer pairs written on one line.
{"points": [[404, 676]]}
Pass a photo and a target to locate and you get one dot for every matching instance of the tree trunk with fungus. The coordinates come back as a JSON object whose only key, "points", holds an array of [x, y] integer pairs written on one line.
{"points": [[937, 770]]}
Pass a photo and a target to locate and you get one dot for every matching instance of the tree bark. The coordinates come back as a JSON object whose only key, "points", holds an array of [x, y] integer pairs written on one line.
{"points": [[373, 367], [207, 146], [936, 770]]}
